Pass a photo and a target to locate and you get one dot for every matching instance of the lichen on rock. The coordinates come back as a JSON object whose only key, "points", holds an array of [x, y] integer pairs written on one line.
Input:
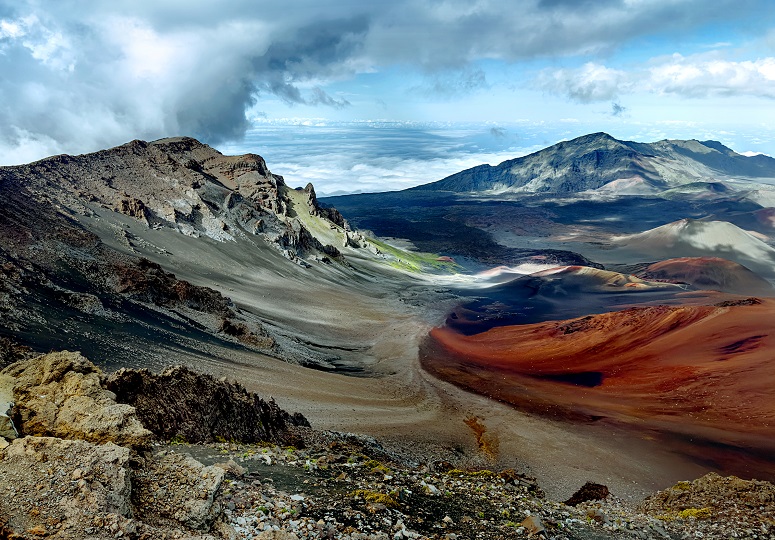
{"points": [[59, 394]]}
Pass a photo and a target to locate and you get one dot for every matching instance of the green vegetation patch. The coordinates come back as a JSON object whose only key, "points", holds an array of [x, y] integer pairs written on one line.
{"points": [[415, 261], [484, 473], [376, 497], [696, 513]]}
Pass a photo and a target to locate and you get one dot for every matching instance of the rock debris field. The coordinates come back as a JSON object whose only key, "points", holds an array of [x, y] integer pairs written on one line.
{"points": [[76, 464]]}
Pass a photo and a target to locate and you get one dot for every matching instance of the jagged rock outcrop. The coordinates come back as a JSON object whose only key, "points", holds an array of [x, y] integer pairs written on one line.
{"points": [[133, 208], [59, 394], [297, 240], [200, 408], [148, 282], [354, 239], [328, 212]]}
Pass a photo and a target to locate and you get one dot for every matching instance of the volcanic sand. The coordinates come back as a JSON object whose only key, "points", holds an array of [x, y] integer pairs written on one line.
{"points": [[414, 412], [375, 319], [697, 378]]}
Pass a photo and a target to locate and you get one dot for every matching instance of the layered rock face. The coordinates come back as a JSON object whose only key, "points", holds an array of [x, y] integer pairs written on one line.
{"points": [[176, 183], [200, 408]]}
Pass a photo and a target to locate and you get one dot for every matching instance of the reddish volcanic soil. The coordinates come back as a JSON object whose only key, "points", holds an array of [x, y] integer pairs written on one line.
{"points": [[709, 273], [702, 378]]}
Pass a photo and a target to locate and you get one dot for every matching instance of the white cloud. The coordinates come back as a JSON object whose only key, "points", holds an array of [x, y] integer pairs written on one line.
{"points": [[10, 29], [89, 74], [49, 47], [700, 77], [591, 82], [697, 76]]}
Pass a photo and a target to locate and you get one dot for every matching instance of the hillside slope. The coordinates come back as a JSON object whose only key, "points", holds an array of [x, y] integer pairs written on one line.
{"points": [[140, 245], [596, 160]]}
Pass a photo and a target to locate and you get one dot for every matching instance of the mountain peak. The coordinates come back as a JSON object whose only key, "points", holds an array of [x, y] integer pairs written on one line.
{"points": [[182, 184], [598, 136], [598, 160]]}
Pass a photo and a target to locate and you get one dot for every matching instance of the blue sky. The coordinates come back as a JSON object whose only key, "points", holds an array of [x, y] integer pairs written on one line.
{"points": [[364, 96]]}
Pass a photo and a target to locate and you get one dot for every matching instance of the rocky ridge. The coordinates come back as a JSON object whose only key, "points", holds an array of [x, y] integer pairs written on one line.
{"points": [[62, 280], [598, 160], [181, 184]]}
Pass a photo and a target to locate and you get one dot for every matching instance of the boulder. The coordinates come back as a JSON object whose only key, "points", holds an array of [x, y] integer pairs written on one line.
{"points": [[533, 525], [588, 492], [171, 489], [59, 395], [7, 428], [47, 481]]}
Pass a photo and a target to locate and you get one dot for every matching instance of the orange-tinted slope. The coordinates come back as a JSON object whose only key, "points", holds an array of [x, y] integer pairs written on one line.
{"points": [[696, 371], [709, 273]]}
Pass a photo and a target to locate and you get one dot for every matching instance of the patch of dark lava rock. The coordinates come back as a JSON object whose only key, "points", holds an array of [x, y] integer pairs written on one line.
{"points": [[180, 403]]}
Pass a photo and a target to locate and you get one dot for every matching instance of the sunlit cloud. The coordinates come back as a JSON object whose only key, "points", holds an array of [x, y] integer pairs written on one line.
{"points": [[690, 77]]}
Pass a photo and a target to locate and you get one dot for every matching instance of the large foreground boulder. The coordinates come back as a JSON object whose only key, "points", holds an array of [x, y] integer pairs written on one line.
{"points": [[48, 483], [72, 490], [80, 464], [170, 490], [200, 408], [59, 395]]}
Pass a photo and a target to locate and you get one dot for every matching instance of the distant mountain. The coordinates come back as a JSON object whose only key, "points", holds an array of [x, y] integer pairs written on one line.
{"points": [[599, 161]]}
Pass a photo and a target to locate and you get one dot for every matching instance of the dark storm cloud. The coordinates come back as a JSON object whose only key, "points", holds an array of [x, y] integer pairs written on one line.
{"points": [[317, 50], [617, 109], [498, 132], [79, 75]]}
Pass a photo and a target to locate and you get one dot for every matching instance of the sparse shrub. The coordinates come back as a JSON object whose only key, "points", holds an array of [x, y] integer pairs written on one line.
{"points": [[376, 497], [696, 513], [178, 439]]}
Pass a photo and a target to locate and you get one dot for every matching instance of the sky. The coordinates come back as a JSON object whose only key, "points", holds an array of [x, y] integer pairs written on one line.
{"points": [[369, 96]]}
